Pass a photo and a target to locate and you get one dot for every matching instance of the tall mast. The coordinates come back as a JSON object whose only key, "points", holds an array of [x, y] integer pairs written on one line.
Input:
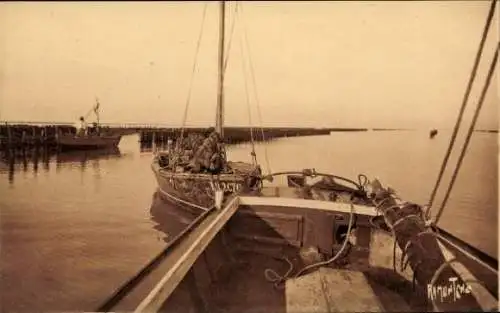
{"points": [[219, 120]]}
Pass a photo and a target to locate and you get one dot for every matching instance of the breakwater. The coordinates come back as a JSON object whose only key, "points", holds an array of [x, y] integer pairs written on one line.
{"points": [[26, 136], [232, 135], [30, 136]]}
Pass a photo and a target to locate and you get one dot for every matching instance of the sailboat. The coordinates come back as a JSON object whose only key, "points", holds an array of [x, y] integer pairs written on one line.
{"points": [[321, 243], [85, 140], [196, 191]]}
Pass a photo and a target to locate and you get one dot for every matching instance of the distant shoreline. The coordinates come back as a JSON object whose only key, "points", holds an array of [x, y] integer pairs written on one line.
{"points": [[289, 128]]}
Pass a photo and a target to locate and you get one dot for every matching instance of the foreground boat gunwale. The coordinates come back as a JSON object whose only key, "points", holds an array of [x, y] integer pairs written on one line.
{"points": [[321, 205], [164, 288]]}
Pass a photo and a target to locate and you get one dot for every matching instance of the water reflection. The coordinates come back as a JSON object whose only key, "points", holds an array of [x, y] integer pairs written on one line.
{"points": [[22, 159], [146, 146], [169, 219], [82, 157], [11, 170], [150, 147]]}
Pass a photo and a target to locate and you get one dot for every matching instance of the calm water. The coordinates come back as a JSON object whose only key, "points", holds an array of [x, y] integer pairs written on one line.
{"points": [[74, 228]]}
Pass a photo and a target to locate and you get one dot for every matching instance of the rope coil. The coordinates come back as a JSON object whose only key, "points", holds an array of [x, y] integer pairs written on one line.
{"points": [[278, 279]]}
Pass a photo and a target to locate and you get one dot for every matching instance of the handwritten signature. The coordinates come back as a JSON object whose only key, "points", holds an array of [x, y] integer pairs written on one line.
{"points": [[453, 290]]}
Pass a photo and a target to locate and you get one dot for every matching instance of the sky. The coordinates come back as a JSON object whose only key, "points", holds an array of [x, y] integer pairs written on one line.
{"points": [[334, 64]]}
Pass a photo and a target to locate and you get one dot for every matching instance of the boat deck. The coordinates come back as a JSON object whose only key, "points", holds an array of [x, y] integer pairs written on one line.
{"points": [[244, 289], [331, 290], [216, 269]]}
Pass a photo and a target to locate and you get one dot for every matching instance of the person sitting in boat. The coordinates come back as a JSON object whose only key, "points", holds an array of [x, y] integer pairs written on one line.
{"points": [[186, 150], [196, 140], [208, 157], [95, 128], [81, 127]]}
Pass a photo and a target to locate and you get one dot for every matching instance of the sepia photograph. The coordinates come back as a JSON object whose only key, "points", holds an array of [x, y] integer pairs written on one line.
{"points": [[249, 156]]}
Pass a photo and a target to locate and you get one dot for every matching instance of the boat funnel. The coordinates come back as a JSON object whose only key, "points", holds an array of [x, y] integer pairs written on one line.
{"points": [[219, 197]]}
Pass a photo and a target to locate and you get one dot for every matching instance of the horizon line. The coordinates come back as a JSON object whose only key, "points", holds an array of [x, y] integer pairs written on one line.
{"points": [[164, 125]]}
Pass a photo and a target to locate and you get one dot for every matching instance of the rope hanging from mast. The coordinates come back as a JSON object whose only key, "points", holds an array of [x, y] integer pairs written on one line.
{"points": [[243, 66], [193, 71], [464, 103], [252, 73], [243, 41]]}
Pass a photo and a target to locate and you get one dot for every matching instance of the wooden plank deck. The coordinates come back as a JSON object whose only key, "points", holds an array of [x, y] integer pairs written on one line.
{"points": [[331, 290]]}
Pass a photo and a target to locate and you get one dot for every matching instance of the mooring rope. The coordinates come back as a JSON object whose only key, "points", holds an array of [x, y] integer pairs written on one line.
{"points": [[464, 104], [183, 201], [273, 277], [339, 253]]}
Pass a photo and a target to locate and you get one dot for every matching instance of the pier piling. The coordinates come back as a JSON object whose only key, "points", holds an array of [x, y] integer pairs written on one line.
{"points": [[26, 135]]}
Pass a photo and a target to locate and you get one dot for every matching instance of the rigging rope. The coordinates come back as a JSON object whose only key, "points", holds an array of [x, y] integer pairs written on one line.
{"points": [[252, 73], [230, 38], [464, 103], [470, 131], [243, 65], [188, 100]]}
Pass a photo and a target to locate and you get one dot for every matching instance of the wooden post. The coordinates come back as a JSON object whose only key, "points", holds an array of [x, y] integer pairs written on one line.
{"points": [[9, 136], [44, 134], [23, 139], [33, 135], [56, 137], [154, 142], [424, 254]]}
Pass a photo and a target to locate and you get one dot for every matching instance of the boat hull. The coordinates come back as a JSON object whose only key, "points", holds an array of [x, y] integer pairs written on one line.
{"points": [[86, 155], [90, 142], [197, 191]]}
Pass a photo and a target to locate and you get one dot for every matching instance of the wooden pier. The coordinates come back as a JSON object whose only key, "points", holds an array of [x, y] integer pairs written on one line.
{"points": [[17, 137], [28, 135], [235, 135]]}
